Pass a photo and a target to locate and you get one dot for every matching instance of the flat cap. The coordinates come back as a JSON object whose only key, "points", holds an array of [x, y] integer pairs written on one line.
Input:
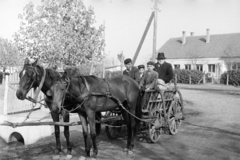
{"points": [[141, 66], [151, 63], [128, 60]]}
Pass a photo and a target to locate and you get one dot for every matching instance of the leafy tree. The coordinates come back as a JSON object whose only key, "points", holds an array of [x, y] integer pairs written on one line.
{"points": [[60, 32], [9, 55]]}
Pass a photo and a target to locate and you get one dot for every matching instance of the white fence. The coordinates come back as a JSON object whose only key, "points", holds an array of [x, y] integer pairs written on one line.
{"points": [[12, 104]]}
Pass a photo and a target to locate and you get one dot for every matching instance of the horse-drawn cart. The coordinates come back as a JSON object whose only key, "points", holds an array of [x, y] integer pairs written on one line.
{"points": [[162, 112]]}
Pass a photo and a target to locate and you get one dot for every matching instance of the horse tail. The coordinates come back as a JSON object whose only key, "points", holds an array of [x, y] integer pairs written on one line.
{"points": [[98, 125], [138, 112]]}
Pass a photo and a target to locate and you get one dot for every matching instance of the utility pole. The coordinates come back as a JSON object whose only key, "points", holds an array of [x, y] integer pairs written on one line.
{"points": [[155, 29]]}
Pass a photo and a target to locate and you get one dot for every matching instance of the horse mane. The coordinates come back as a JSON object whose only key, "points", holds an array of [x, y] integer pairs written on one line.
{"points": [[92, 80], [72, 72], [52, 74]]}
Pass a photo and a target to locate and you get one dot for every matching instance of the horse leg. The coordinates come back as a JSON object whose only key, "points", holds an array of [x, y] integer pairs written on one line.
{"points": [[67, 135], [130, 128], [92, 122], [83, 119], [133, 129], [126, 119], [55, 118]]}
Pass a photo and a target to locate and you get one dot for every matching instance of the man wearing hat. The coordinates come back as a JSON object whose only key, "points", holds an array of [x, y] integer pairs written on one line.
{"points": [[141, 69], [131, 71], [164, 69], [150, 77]]}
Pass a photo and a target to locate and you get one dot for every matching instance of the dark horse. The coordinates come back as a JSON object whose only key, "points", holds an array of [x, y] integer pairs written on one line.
{"points": [[97, 95], [30, 77]]}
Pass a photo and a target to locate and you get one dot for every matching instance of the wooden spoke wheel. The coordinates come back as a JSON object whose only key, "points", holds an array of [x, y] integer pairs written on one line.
{"points": [[175, 116], [111, 131], [155, 128]]}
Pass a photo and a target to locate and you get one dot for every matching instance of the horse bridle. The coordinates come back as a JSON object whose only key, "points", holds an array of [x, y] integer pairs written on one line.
{"points": [[41, 83]]}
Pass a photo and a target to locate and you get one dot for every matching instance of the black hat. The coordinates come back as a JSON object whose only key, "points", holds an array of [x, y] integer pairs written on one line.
{"points": [[161, 56], [151, 63], [141, 66], [128, 60]]}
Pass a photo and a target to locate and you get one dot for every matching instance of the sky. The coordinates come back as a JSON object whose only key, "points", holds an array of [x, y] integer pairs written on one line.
{"points": [[125, 21]]}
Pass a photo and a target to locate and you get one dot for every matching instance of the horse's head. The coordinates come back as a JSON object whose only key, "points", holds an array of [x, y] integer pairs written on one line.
{"points": [[58, 92], [29, 77]]}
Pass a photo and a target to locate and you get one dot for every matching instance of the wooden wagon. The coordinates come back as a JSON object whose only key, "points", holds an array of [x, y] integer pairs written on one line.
{"points": [[162, 112]]}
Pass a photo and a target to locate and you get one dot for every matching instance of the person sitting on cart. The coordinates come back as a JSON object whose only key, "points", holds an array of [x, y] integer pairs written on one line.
{"points": [[165, 71], [148, 82], [149, 78], [141, 69], [131, 71]]}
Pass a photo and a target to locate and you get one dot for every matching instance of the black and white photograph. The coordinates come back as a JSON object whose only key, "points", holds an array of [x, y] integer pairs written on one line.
{"points": [[119, 79]]}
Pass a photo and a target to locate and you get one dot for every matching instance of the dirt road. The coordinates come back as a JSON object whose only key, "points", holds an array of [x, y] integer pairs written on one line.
{"points": [[211, 131]]}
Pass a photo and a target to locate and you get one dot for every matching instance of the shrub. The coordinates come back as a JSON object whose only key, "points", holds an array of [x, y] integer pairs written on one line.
{"points": [[111, 74], [183, 76], [234, 77]]}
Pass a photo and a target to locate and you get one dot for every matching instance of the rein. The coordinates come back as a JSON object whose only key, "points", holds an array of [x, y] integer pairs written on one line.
{"points": [[40, 85], [83, 97]]}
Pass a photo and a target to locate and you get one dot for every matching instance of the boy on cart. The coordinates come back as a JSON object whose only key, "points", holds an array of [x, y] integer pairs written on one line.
{"points": [[148, 81]]}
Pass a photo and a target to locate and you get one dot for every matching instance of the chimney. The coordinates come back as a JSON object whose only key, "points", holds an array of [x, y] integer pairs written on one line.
{"points": [[183, 37], [192, 33], [208, 36]]}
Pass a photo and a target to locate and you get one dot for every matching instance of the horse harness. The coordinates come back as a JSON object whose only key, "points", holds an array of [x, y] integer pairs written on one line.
{"points": [[84, 97]]}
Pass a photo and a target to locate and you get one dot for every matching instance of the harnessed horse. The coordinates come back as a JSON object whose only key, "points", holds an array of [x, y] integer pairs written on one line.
{"points": [[97, 95], [31, 77]]}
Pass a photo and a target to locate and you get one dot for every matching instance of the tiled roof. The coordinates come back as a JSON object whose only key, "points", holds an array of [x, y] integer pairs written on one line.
{"points": [[222, 45]]}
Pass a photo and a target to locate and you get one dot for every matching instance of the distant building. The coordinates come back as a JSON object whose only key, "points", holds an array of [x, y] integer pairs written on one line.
{"points": [[212, 54]]}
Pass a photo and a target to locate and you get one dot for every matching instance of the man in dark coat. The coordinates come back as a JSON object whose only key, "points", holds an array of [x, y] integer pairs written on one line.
{"points": [[164, 69], [131, 71]]}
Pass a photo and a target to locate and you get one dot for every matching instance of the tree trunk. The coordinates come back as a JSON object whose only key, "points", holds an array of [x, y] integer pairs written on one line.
{"points": [[4, 76]]}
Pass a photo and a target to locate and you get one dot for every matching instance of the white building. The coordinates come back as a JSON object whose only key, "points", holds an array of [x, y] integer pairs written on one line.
{"points": [[212, 54]]}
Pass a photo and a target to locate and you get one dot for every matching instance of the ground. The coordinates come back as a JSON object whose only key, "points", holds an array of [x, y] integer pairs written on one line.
{"points": [[210, 131]]}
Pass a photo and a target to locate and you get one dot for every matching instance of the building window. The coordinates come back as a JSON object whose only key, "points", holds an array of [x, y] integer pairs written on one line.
{"points": [[211, 68], [199, 67], [236, 66], [176, 66], [188, 66]]}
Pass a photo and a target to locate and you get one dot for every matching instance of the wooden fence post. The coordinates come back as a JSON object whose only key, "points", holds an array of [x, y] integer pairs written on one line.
{"points": [[204, 78], [5, 95], [103, 70], [227, 79], [176, 80]]}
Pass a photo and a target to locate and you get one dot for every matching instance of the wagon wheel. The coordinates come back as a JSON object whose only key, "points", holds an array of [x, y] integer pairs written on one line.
{"points": [[113, 132], [175, 116], [155, 127]]}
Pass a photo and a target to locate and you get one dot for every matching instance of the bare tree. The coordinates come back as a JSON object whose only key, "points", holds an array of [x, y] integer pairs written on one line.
{"points": [[121, 58], [229, 56], [194, 58]]}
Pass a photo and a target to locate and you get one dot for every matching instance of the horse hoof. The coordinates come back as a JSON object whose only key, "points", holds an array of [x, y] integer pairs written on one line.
{"points": [[129, 152], [125, 149], [55, 157], [82, 158], [68, 157]]}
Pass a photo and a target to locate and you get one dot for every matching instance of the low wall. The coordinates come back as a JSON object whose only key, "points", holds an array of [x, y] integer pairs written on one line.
{"points": [[30, 134]]}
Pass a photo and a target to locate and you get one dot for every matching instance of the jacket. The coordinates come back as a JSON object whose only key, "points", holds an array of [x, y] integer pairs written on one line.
{"points": [[149, 79], [165, 71], [133, 73]]}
